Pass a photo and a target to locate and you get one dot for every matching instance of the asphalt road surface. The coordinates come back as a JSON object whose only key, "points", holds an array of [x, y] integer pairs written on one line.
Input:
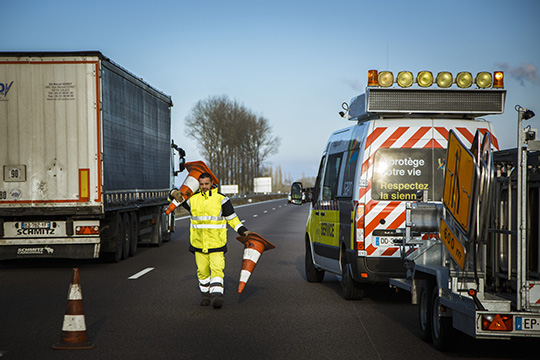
{"points": [[278, 316]]}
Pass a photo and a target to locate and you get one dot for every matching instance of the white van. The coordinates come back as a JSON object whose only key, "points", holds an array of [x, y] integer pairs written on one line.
{"points": [[394, 153]]}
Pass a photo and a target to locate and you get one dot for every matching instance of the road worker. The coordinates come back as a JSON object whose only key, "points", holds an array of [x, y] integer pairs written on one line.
{"points": [[210, 212]]}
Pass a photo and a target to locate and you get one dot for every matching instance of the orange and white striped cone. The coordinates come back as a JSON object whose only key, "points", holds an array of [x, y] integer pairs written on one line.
{"points": [[191, 183], [254, 245], [74, 327]]}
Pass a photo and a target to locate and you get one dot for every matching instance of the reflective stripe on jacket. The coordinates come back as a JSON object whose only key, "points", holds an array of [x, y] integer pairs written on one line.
{"points": [[210, 213]]}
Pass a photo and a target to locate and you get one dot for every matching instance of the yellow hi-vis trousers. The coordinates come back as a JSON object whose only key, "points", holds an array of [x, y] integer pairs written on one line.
{"points": [[210, 268]]}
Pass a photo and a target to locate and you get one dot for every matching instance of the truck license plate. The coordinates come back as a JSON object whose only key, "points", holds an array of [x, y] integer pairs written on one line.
{"points": [[36, 225], [528, 323]]}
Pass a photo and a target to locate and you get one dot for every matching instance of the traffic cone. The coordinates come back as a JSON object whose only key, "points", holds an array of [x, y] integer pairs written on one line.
{"points": [[191, 183], [254, 245], [74, 327]]}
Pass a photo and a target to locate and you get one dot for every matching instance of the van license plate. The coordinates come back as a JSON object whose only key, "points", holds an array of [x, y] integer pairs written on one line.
{"points": [[528, 323], [384, 241]]}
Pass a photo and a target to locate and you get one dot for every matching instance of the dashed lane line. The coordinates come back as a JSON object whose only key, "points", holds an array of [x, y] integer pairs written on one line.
{"points": [[140, 273]]}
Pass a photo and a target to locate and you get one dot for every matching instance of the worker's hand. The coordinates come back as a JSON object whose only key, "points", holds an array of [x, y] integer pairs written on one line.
{"points": [[177, 194], [246, 233]]}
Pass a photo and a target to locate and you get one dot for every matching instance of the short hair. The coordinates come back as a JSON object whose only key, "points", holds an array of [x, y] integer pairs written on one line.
{"points": [[205, 175]]}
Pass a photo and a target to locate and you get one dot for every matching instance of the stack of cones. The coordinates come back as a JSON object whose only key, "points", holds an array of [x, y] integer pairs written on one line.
{"points": [[254, 245], [190, 185], [74, 327]]}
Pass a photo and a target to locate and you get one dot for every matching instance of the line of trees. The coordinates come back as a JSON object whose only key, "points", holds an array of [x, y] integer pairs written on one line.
{"points": [[234, 141]]}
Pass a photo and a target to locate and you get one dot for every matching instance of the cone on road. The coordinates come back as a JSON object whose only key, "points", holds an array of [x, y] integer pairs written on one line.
{"points": [[254, 245], [74, 326], [190, 185]]}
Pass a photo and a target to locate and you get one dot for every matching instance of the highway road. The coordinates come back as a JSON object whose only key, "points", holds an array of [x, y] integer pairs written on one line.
{"points": [[278, 316]]}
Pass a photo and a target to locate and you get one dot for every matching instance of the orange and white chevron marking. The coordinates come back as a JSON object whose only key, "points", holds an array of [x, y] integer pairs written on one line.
{"points": [[393, 212]]}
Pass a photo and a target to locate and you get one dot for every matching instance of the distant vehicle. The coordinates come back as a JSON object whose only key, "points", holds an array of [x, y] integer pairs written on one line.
{"points": [[393, 153], [86, 155]]}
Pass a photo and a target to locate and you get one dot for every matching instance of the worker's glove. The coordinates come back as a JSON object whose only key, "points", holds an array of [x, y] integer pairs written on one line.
{"points": [[246, 233], [177, 195]]}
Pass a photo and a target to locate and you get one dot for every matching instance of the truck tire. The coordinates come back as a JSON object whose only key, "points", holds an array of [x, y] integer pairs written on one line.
{"points": [[116, 236], [134, 229], [312, 273], [126, 236], [165, 227], [442, 330], [157, 231], [425, 310]]}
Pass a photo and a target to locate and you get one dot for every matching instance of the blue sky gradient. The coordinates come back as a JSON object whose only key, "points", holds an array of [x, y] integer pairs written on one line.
{"points": [[293, 62]]}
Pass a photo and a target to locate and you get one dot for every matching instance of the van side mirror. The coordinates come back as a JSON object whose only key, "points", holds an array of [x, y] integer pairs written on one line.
{"points": [[297, 193]]}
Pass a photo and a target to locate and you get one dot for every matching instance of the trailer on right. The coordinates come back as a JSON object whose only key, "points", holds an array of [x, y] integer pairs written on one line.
{"points": [[477, 270]]}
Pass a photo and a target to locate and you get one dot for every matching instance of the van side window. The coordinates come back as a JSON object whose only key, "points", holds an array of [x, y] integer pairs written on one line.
{"points": [[316, 191], [348, 173], [331, 176]]}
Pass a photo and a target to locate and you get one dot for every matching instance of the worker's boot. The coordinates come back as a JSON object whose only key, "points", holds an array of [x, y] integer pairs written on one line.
{"points": [[205, 299], [217, 300]]}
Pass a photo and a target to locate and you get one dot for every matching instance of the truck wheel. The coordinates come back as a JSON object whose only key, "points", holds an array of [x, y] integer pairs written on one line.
{"points": [[312, 273], [442, 331], [424, 310], [165, 228], [126, 236], [157, 232], [134, 237], [118, 238]]}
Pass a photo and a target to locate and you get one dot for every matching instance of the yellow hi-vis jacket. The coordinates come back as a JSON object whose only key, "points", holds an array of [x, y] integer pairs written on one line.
{"points": [[210, 213]]}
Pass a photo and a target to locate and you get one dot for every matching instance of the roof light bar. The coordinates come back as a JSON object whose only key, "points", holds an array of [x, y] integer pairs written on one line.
{"points": [[444, 79]]}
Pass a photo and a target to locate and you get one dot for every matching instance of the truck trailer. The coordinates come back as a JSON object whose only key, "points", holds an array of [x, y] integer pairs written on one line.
{"points": [[86, 157]]}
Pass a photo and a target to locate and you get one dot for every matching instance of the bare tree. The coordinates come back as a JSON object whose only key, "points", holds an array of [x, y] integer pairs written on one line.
{"points": [[233, 140]]}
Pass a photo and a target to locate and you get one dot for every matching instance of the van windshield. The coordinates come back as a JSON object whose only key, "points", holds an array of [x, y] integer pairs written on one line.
{"points": [[398, 174]]}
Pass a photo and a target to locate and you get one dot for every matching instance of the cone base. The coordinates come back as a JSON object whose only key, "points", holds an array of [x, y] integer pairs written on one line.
{"points": [[66, 346]]}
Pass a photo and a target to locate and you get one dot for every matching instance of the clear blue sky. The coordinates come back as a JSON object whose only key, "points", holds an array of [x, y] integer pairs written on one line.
{"points": [[293, 62]]}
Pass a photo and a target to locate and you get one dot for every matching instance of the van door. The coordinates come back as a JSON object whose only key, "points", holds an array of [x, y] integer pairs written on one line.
{"points": [[326, 246]]}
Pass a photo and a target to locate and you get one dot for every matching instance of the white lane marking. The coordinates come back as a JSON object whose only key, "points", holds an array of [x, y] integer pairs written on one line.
{"points": [[255, 215], [140, 273], [265, 211]]}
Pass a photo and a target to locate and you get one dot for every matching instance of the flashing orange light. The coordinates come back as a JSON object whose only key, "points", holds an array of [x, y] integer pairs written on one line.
{"points": [[373, 78], [364, 275], [498, 79]]}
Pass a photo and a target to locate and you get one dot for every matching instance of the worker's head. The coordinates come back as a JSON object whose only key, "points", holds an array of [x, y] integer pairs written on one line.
{"points": [[205, 182]]}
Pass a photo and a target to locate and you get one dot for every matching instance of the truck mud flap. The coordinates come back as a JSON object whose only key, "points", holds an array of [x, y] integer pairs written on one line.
{"points": [[78, 251]]}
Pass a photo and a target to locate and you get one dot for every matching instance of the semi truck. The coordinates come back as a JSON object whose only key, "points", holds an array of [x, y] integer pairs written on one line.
{"points": [[478, 273], [86, 156]]}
